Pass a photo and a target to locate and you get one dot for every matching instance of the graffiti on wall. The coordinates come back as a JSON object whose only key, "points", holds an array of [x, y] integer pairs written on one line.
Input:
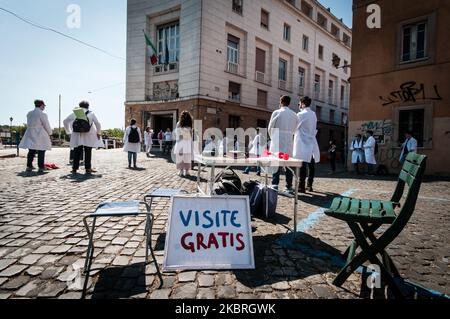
{"points": [[411, 92], [382, 130]]}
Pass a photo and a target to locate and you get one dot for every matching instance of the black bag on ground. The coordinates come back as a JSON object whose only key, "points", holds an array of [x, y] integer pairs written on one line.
{"points": [[228, 183], [133, 137], [81, 125], [263, 201]]}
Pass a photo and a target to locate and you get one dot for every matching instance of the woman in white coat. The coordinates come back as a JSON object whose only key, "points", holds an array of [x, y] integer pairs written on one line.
{"points": [[132, 142], [37, 136], [369, 152], [357, 152], [86, 141], [306, 147], [409, 146], [148, 140], [183, 149]]}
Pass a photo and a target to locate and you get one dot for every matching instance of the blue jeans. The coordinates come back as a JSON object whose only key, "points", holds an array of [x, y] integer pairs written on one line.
{"points": [[289, 177], [132, 156]]}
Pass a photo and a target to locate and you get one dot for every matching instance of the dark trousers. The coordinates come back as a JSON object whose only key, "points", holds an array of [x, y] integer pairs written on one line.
{"points": [[132, 156], [167, 146], [78, 152], [289, 177], [72, 155], [333, 163], [307, 169], [32, 154], [370, 169]]}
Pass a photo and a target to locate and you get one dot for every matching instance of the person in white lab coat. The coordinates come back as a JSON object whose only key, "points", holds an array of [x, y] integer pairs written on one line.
{"points": [[83, 141], [37, 136], [369, 153], [256, 149], [148, 140], [409, 146], [357, 152], [183, 149], [132, 142], [281, 128], [306, 147]]}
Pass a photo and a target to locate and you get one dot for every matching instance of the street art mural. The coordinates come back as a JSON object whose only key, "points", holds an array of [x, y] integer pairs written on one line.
{"points": [[382, 130], [412, 92]]}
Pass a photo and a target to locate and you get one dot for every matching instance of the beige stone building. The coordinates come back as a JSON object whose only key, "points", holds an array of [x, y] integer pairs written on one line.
{"points": [[230, 61], [401, 78]]}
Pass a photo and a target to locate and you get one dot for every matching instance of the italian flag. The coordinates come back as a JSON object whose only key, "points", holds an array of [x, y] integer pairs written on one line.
{"points": [[153, 57]]}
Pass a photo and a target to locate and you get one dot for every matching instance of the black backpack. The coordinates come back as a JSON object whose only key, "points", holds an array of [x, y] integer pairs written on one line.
{"points": [[228, 183], [133, 137], [81, 125]]}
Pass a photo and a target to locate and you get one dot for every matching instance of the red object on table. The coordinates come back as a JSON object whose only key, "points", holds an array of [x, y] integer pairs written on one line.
{"points": [[286, 157]]}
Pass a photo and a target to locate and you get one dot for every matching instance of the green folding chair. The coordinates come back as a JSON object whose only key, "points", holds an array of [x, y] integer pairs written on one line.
{"points": [[366, 216]]}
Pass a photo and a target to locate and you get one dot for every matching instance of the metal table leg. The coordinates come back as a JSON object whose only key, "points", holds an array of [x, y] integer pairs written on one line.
{"points": [[297, 173], [211, 179]]}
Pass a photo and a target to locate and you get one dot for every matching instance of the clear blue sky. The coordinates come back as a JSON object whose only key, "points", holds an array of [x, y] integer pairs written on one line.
{"points": [[40, 64]]}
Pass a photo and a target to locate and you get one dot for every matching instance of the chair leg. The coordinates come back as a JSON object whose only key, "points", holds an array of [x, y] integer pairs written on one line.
{"points": [[370, 252], [89, 257], [149, 227]]}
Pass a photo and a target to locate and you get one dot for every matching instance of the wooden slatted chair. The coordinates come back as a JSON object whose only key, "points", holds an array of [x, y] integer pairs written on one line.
{"points": [[366, 216]]}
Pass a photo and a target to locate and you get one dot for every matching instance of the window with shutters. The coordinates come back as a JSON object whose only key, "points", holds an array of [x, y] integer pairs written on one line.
{"points": [[412, 120], [260, 65], [414, 44], [319, 112], [306, 8], [331, 92], [322, 21], [346, 39], [317, 86], [168, 40], [302, 80], [335, 31], [305, 43], [287, 32], [233, 54], [234, 92], [321, 52], [234, 121], [262, 98], [264, 19], [238, 6], [282, 70], [332, 115]]}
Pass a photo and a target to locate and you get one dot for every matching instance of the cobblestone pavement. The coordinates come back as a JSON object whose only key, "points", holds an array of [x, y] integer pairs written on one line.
{"points": [[43, 241]]}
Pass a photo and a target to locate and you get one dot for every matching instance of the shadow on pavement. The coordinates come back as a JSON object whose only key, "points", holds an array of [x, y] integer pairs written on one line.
{"points": [[80, 178], [26, 174], [120, 282]]}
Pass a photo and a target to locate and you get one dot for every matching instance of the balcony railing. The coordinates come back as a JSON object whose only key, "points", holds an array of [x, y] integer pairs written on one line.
{"points": [[260, 77], [234, 98], [168, 68], [233, 67]]}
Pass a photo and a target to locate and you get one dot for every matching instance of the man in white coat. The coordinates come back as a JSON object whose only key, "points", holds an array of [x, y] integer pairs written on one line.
{"points": [[306, 147], [281, 129], [357, 152], [409, 146], [369, 152], [85, 139], [37, 136]]}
